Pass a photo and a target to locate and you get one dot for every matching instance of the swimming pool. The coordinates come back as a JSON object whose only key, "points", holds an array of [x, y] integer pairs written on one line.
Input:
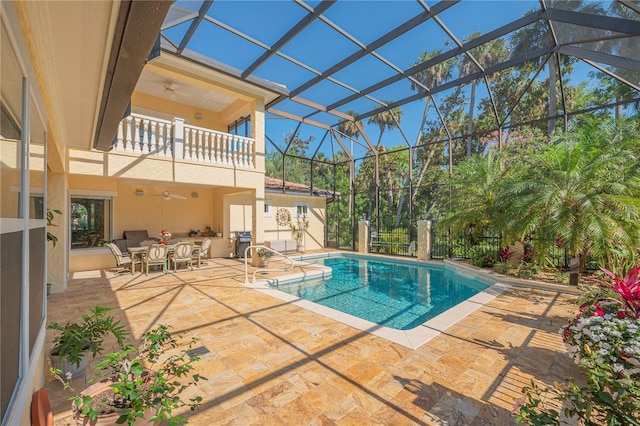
{"points": [[392, 294], [410, 315]]}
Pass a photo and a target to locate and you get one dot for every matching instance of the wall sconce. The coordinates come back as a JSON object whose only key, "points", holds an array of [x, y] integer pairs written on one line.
{"points": [[139, 192], [194, 195], [197, 116]]}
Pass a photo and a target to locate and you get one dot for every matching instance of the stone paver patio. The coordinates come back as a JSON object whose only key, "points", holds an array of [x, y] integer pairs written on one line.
{"points": [[273, 363]]}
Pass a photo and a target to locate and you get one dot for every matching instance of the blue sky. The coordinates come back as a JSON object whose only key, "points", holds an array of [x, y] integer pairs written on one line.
{"points": [[319, 47]]}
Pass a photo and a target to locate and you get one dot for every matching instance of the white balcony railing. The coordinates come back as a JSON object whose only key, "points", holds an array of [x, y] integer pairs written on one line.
{"points": [[150, 136]]}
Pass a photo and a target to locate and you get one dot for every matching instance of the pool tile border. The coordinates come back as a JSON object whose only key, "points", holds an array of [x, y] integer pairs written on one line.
{"points": [[413, 338]]}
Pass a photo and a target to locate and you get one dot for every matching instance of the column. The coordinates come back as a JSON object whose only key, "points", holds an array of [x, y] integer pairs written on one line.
{"points": [[178, 138], [363, 236], [424, 239]]}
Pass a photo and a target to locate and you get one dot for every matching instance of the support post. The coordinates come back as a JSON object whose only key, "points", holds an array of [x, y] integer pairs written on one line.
{"points": [[424, 239], [363, 236], [178, 138]]}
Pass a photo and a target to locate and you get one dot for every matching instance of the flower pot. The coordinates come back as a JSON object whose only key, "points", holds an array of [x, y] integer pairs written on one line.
{"points": [[300, 248], [219, 234], [60, 362], [264, 262], [105, 419]]}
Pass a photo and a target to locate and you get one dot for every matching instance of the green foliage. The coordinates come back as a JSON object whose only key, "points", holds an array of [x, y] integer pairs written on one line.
{"points": [[604, 340], [299, 228], [501, 268], [50, 217], [527, 270], [264, 253], [150, 377], [482, 256], [87, 335]]}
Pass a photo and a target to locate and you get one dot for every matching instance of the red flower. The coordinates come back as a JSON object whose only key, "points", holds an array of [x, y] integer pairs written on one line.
{"points": [[622, 314], [629, 288]]}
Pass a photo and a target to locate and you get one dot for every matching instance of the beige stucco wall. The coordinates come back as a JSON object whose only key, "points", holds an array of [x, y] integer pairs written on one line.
{"points": [[314, 238], [56, 256]]}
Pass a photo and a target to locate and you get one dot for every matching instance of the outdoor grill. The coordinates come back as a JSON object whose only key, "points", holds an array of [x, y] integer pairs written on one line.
{"points": [[243, 240]]}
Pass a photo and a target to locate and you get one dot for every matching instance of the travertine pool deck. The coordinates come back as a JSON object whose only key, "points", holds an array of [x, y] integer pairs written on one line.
{"points": [[271, 362]]}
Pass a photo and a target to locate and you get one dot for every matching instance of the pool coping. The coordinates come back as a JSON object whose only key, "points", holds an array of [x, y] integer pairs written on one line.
{"points": [[413, 338]]}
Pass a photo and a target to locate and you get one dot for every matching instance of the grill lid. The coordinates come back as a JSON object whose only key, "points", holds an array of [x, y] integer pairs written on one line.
{"points": [[243, 236]]}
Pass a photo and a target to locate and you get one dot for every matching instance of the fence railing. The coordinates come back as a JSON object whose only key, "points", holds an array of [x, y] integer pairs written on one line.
{"points": [[445, 245], [396, 241], [144, 135]]}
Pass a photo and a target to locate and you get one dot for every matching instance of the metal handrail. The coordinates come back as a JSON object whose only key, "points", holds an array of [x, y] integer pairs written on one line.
{"points": [[263, 270]]}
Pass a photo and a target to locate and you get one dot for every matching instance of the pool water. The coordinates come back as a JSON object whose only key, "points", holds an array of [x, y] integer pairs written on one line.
{"points": [[392, 294]]}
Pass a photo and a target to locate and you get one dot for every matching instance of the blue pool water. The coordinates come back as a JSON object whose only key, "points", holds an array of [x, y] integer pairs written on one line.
{"points": [[393, 294]]}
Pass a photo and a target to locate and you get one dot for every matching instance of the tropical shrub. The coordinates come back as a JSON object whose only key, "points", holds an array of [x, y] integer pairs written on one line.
{"points": [[603, 339]]}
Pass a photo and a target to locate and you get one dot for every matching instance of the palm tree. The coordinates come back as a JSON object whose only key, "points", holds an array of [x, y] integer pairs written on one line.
{"points": [[475, 186], [386, 120], [430, 77], [585, 190], [486, 54]]}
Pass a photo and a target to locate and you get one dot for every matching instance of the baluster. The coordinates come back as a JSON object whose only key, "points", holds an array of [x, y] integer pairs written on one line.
{"points": [[201, 138], [194, 145], [227, 149], [240, 149], [128, 142], [145, 136], [161, 146], [223, 149], [243, 141], [236, 151], [250, 147], [118, 145], [136, 136], [187, 142], [207, 147], [216, 148], [153, 143]]}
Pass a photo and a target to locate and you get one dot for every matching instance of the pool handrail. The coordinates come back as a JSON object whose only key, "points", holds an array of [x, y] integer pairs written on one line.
{"points": [[263, 270]]}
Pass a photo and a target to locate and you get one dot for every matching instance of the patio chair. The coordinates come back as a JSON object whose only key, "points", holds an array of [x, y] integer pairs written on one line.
{"points": [[181, 254], [123, 261], [201, 251], [156, 254]]}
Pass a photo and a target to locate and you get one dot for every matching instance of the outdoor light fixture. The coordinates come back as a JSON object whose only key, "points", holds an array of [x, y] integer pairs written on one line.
{"points": [[194, 195], [139, 192], [197, 116]]}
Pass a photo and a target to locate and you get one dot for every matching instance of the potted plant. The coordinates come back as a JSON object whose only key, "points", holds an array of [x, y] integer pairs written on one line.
{"points": [[140, 384], [264, 255], [194, 232], [298, 231], [76, 339]]}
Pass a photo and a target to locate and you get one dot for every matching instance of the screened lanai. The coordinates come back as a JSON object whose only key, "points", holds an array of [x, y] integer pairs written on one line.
{"points": [[380, 100]]}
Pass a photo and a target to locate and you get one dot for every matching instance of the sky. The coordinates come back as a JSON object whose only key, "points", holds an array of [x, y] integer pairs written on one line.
{"points": [[319, 47]]}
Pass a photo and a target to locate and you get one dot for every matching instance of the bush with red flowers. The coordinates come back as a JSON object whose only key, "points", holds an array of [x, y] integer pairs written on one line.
{"points": [[603, 339]]}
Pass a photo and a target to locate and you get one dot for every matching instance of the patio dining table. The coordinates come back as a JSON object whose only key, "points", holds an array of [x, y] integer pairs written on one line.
{"points": [[136, 254]]}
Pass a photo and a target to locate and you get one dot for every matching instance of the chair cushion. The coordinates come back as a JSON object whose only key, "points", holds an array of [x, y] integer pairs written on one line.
{"points": [[135, 235]]}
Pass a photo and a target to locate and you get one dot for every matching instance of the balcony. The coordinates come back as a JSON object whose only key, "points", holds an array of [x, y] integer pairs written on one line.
{"points": [[150, 136]]}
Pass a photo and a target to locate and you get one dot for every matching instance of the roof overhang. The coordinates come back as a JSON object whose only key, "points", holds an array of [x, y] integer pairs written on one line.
{"points": [[137, 27]]}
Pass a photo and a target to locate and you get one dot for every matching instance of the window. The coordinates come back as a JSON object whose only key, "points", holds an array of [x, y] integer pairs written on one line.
{"points": [[90, 221], [301, 209], [268, 209]]}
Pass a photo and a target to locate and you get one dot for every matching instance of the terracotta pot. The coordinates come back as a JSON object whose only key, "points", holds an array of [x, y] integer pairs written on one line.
{"points": [[108, 419], [61, 363]]}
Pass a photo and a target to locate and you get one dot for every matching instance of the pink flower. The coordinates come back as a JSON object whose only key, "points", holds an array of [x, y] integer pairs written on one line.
{"points": [[629, 288]]}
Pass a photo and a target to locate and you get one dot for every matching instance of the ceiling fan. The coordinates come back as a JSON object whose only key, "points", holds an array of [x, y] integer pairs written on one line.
{"points": [[166, 195], [170, 89]]}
